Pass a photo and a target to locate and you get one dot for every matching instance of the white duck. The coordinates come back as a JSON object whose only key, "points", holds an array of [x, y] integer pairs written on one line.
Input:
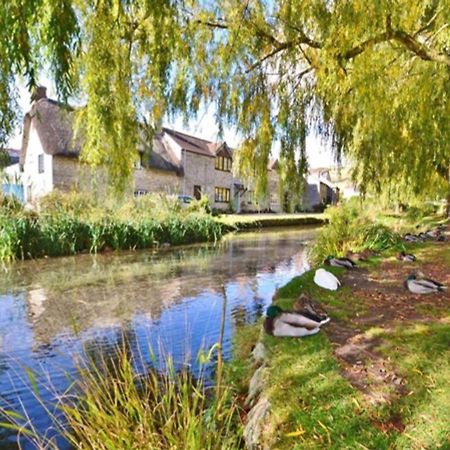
{"points": [[326, 280]]}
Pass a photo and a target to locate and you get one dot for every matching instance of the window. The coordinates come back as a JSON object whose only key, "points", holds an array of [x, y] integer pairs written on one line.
{"points": [[41, 163], [222, 195], [223, 163]]}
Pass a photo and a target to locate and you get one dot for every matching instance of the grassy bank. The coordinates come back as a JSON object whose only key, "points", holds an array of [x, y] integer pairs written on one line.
{"points": [[67, 224], [378, 376], [254, 221]]}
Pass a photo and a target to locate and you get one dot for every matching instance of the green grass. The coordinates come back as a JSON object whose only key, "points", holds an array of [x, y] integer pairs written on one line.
{"points": [[313, 406], [252, 221], [68, 224]]}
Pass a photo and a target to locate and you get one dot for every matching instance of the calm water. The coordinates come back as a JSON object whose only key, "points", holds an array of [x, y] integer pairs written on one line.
{"points": [[52, 311]]}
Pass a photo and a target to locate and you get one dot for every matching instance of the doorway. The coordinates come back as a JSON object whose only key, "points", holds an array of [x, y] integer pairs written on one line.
{"points": [[197, 192]]}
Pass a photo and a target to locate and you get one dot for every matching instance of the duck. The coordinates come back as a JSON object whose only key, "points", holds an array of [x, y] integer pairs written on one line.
{"points": [[281, 323], [346, 263], [407, 257], [432, 234], [308, 307], [423, 285], [362, 256], [326, 280], [408, 237]]}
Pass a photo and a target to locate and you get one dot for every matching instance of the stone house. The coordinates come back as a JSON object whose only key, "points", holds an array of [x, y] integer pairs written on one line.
{"points": [[319, 191], [173, 162]]}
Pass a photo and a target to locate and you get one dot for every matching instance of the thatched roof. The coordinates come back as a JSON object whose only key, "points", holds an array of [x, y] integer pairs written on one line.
{"points": [[53, 122]]}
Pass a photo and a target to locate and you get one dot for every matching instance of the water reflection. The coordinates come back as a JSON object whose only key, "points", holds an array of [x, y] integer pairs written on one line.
{"points": [[52, 310]]}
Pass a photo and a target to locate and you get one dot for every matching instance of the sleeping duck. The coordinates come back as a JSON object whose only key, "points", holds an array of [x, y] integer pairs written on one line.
{"points": [[346, 263], [309, 308], [326, 280], [408, 237], [423, 285], [407, 257], [290, 324]]}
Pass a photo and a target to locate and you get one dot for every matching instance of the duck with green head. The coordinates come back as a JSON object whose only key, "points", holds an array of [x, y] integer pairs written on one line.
{"points": [[290, 324], [418, 284]]}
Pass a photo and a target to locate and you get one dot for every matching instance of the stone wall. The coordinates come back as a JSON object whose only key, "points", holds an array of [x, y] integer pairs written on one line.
{"points": [[68, 174], [152, 180], [200, 171]]}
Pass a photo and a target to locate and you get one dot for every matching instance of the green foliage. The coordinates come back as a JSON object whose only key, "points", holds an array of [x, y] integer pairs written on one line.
{"points": [[415, 213], [4, 158], [372, 78], [72, 223], [352, 229], [111, 407]]}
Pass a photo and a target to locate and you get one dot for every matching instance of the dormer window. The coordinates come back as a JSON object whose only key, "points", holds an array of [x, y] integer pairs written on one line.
{"points": [[223, 163]]}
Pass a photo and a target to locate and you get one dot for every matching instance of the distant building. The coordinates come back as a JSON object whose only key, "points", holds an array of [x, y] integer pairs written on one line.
{"points": [[326, 186], [173, 162]]}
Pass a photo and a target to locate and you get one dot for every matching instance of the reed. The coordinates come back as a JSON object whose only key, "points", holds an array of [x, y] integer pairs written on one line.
{"points": [[71, 223], [111, 404]]}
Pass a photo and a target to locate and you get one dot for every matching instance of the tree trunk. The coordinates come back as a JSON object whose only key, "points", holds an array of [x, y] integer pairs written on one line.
{"points": [[447, 206]]}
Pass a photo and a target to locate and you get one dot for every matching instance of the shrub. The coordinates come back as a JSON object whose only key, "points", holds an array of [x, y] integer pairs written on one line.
{"points": [[351, 229]]}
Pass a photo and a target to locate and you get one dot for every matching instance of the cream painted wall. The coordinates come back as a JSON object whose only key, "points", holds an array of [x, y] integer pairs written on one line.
{"points": [[36, 184]]}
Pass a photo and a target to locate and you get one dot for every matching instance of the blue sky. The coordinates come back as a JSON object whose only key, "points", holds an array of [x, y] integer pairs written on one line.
{"points": [[204, 126]]}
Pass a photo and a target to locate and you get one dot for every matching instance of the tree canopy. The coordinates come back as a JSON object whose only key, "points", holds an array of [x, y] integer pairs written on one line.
{"points": [[371, 77]]}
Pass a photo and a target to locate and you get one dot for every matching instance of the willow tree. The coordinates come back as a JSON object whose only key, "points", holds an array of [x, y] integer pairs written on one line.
{"points": [[371, 77]]}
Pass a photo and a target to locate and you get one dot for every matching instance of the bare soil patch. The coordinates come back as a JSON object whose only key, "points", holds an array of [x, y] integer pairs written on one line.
{"points": [[386, 303]]}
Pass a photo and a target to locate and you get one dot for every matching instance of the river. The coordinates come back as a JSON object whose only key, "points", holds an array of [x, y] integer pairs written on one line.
{"points": [[52, 311]]}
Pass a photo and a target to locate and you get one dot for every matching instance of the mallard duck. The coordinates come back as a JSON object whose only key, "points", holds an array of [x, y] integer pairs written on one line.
{"points": [[306, 306], [362, 256], [326, 280], [408, 237], [408, 257], [346, 263], [290, 324], [423, 285], [433, 234]]}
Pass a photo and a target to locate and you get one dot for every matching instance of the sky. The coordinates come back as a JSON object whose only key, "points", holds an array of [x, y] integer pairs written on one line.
{"points": [[204, 126]]}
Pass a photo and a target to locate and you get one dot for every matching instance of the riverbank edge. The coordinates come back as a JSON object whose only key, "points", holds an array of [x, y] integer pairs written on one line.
{"points": [[257, 221], [256, 373]]}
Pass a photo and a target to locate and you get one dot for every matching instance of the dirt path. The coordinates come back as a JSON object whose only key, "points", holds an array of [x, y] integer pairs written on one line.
{"points": [[385, 304]]}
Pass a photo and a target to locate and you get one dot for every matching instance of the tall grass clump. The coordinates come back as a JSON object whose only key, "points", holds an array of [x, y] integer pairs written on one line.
{"points": [[69, 223], [351, 228], [111, 407]]}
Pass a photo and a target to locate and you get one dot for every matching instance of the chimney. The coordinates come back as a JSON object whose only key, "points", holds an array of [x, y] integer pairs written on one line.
{"points": [[39, 92]]}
